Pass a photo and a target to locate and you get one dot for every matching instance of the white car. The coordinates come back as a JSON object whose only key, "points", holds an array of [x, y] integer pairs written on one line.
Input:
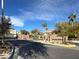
{"points": [[13, 36]]}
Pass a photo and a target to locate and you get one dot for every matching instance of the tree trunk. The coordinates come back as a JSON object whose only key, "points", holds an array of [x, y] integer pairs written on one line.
{"points": [[64, 39]]}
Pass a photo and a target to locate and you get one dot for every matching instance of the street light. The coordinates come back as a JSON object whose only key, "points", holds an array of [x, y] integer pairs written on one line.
{"points": [[2, 7]]}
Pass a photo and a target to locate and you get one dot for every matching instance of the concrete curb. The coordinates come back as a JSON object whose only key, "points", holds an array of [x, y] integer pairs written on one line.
{"points": [[60, 45]]}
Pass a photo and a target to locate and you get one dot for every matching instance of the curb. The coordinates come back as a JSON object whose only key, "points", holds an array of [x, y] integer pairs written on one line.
{"points": [[60, 45]]}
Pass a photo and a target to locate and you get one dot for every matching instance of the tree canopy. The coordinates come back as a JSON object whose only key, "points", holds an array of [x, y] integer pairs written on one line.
{"points": [[72, 17], [24, 32], [65, 28], [70, 28], [5, 26], [35, 31]]}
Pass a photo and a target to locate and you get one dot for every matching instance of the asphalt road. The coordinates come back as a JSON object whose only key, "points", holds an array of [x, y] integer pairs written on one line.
{"points": [[34, 50]]}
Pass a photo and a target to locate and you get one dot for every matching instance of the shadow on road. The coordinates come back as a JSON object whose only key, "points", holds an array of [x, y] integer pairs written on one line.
{"points": [[33, 50]]}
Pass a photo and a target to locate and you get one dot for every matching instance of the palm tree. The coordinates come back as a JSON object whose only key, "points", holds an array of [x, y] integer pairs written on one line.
{"points": [[72, 17], [44, 24]]}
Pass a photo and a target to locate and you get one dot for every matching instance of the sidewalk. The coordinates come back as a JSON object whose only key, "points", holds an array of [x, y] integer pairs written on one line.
{"points": [[73, 41], [54, 44]]}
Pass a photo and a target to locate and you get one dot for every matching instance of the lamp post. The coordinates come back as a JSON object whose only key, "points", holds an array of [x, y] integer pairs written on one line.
{"points": [[7, 46], [2, 7]]}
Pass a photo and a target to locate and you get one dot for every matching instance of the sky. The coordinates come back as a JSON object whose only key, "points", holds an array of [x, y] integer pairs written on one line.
{"points": [[29, 14]]}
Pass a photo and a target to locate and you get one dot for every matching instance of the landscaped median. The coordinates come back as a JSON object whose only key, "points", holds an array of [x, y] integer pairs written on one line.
{"points": [[68, 45]]}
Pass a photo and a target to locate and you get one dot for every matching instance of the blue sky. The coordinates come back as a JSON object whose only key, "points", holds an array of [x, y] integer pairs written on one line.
{"points": [[29, 14]]}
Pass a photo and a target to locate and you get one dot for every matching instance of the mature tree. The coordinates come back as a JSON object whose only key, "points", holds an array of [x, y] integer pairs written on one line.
{"points": [[24, 32], [73, 24], [5, 26], [72, 18], [61, 30], [63, 27], [44, 24], [71, 28], [66, 29], [35, 33]]}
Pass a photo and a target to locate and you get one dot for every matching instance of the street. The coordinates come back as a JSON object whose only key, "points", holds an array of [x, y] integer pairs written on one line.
{"points": [[39, 29], [33, 50]]}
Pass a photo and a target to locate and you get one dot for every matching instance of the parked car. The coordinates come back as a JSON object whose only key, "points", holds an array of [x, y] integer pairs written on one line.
{"points": [[10, 36]]}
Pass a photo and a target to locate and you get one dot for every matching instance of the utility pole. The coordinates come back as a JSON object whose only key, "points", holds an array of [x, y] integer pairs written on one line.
{"points": [[2, 7]]}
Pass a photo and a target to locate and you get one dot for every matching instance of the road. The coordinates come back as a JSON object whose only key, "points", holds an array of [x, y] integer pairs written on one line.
{"points": [[34, 50]]}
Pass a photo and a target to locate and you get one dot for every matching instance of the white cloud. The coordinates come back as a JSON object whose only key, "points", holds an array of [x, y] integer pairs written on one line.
{"points": [[47, 10], [27, 15], [16, 21]]}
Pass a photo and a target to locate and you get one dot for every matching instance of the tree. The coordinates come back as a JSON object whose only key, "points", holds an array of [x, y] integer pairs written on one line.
{"points": [[70, 28], [5, 26], [72, 22], [61, 30], [63, 27], [72, 17], [35, 33], [66, 29], [4, 29], [24, 32], [44, 24]]}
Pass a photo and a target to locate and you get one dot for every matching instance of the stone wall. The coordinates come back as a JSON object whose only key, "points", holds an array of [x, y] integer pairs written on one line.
{"points": [[52, 38], [23, 37]]}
